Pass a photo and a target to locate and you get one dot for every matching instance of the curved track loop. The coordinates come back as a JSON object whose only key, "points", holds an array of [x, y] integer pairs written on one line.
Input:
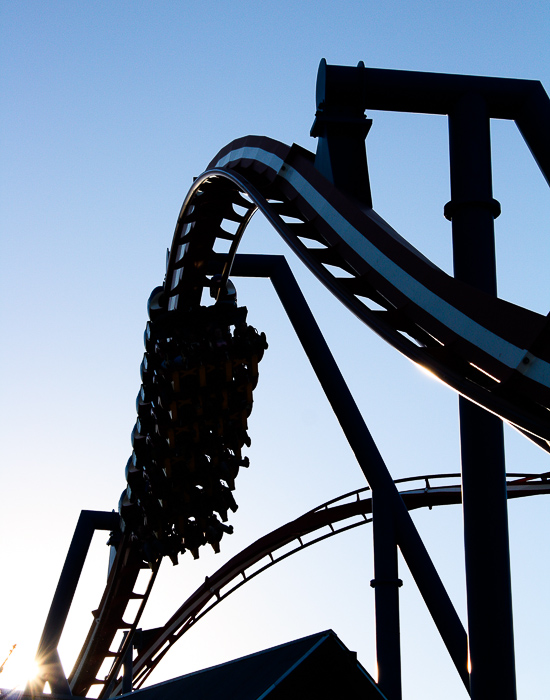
{"points": [[332, 518], [491, 351]]}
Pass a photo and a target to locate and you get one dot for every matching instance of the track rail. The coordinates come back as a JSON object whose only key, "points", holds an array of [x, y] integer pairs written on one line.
{"points": [[493, 352], [334, 517], [108, 618]]}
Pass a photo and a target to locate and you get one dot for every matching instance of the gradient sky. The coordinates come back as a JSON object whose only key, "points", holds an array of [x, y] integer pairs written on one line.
{"points": [[108, 110]]}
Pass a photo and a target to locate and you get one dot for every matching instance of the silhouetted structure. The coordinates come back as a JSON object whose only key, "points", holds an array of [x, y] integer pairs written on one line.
{"points": [[198, 377]]}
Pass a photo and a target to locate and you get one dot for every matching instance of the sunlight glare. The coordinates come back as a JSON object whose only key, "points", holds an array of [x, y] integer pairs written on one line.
{"points": [[19, 668], [429, 373]]}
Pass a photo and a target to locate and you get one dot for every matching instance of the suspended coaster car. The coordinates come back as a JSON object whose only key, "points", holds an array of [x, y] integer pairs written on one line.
{"points": [[192, 409]]}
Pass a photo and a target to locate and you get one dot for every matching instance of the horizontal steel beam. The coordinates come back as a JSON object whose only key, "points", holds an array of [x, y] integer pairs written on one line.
{"points": [[524, 101]]}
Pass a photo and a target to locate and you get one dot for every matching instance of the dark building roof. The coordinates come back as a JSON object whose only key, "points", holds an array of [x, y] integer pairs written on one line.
{"points": [[318, 666]]}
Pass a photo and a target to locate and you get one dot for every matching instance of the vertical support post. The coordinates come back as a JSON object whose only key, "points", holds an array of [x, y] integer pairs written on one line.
{"points": [[472, 211], [386, 586], [341, 127]]}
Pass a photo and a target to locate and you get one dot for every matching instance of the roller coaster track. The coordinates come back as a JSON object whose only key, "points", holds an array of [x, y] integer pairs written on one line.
{"points": [[492, 352], [334, 517]]}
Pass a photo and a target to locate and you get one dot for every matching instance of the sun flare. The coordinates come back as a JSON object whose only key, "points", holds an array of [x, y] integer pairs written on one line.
{"points": [[18, 667]]}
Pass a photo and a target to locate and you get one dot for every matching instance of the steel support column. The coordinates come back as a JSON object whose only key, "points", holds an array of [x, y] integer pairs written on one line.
{"points": [[472, 211], [386, 586], [341, 127]]}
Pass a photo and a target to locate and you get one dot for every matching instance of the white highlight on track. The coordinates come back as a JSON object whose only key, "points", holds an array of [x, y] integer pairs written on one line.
{"points": [[461, 324]]}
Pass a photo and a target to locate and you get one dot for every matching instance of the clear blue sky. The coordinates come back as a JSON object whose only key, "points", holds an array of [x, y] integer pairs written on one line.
{"points": [[107, 112]]}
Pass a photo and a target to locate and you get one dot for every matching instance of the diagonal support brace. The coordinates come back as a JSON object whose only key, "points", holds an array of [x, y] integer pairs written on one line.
{"points": [[47, 655], [370, 460]]}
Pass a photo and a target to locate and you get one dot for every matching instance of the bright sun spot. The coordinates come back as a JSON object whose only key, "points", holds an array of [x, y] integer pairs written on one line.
{"points": [[19, 667]]}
